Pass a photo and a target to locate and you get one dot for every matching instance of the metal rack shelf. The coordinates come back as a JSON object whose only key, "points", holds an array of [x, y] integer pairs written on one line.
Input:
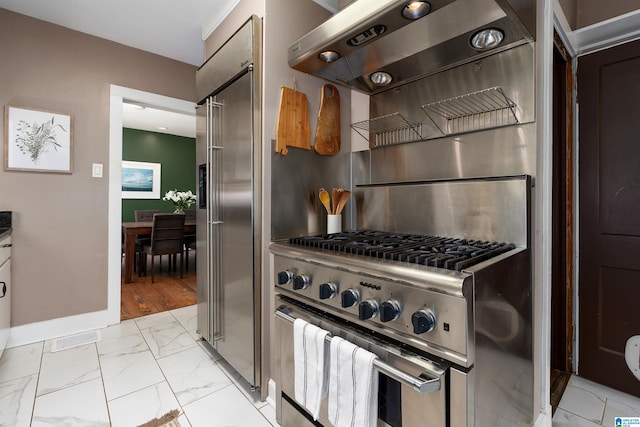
{"points": [[484, 109], [389, 130]]}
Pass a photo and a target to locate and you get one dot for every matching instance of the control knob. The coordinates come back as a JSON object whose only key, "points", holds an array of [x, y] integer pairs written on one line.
{"points": [[423, 321], [350, 297], [284, 277], [389, 310], [368, 309], [300, 282], [328, 290]]}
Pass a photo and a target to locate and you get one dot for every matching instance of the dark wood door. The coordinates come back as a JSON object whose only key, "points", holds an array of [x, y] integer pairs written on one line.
{"points": [[609, 245]]}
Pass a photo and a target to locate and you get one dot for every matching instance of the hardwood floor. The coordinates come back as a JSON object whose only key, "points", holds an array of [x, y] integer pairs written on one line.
{"points": [[169, 292], [559, 382]]}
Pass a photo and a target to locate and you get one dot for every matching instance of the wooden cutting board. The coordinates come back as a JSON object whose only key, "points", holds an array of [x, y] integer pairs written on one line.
{"points": [[327, 140], [293, 127]]}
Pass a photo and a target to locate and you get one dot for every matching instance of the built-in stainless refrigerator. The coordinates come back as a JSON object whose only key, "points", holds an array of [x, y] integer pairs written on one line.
{"points": [[228, 247]]}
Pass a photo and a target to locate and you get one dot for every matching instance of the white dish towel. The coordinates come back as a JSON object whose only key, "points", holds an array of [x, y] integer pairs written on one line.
{"points": [[311, 363], [353, 385]]}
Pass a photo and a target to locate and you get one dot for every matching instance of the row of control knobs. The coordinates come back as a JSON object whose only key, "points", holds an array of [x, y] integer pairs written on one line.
{"points": [[422, 320]]}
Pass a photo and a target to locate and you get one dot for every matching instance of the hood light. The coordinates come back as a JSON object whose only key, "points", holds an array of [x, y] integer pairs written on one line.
{"points": [[416, 10], [487, 39], [328, 56], [381, 78]]}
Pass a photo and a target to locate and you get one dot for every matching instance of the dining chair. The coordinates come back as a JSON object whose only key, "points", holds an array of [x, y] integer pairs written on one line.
{"points": [[190, 214], [137, 250], [144, 215], [167, 238], [189, 238], [188, 247]]}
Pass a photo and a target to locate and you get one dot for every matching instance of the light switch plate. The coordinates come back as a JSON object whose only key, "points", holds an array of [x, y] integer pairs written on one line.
{"points": [[96, 170]]}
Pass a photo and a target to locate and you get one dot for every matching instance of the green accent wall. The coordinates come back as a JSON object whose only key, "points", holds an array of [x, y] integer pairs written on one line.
{"points": [[176, 154]]}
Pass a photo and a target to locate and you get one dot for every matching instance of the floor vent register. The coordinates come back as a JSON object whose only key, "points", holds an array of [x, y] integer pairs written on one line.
{"points": [[76, 340]]}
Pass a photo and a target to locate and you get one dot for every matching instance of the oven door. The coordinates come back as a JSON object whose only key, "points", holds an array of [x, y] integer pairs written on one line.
{"points": [[412, 389]]}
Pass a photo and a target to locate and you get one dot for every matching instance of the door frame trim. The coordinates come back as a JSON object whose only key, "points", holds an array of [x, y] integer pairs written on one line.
{"points": [[117, 95], [601, 35]]}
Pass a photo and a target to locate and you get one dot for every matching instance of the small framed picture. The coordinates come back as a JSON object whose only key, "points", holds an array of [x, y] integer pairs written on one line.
{"points": [[140, 180], [37, 140]]}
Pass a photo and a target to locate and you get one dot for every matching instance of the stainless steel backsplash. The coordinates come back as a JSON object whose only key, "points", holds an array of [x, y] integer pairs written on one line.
{"points": [[494, 152], [494, 209], [453, 197], [295, 180]]}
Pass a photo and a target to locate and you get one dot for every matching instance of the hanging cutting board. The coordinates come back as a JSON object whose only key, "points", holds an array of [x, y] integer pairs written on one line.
{"points": [[327, 140], [293, 127]]}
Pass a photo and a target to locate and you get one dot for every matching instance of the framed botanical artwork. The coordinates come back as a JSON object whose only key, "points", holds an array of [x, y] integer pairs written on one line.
{"points": [[37, 140], [140, 180]]}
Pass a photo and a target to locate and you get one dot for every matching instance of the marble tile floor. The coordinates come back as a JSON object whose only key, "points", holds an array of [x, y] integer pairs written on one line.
{"points": [[145, 367], [138, 371], [587, 404]]}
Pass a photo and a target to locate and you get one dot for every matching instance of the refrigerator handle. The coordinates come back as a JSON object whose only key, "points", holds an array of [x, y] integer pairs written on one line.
{"points": [[214, 213], [202, 186]]}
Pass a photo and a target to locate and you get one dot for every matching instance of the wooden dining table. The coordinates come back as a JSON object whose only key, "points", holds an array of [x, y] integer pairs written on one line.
{"points": [[131, 231]]}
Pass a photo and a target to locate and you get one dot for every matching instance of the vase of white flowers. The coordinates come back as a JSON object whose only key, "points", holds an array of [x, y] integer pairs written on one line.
{"points": [[180, 199]]}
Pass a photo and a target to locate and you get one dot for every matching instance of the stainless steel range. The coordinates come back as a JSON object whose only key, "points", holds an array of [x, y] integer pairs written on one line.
{"points": [[438, 287]]}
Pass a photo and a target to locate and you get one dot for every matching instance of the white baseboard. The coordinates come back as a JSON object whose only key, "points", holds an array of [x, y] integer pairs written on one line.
{"points": [[55, 328], [271, 396], [545, 419]]}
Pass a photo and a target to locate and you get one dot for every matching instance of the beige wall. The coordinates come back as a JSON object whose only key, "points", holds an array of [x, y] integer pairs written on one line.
{"points": [[569, 10], [582, 13], [60, 220], [589, 12], [238, 16]]}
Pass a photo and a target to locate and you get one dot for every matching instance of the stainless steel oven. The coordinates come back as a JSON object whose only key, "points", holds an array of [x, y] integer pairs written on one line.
{"points": [[410, 385], [442, 295], [436, 260]]}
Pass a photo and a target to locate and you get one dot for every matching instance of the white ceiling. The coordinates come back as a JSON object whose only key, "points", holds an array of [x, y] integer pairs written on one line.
{"points": [[170, 28], [137, 116]]}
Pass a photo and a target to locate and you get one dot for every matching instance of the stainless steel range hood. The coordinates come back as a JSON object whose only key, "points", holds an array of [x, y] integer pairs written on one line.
{"points": [[370, 36]]}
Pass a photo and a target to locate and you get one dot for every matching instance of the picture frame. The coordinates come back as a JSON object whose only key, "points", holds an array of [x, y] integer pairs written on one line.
{"points": [[140, 180], [37, 140]]}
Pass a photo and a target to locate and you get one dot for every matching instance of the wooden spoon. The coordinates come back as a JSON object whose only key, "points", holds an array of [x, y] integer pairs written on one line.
{"points": [[335, 198], [324, 198], [343, 201]]}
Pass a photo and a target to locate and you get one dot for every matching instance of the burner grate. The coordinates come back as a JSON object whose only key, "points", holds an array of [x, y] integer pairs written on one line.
{"points": [[433, 251]]}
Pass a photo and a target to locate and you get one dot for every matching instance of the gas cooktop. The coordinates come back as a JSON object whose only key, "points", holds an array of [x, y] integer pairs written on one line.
{"points": [[444, 252]]}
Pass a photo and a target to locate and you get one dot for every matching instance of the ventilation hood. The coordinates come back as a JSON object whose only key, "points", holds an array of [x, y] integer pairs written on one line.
{"points": [[371, 40]]}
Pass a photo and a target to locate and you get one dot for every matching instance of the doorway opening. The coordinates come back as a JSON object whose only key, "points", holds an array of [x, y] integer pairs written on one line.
{"points": [[118, 96], [563, 224]]}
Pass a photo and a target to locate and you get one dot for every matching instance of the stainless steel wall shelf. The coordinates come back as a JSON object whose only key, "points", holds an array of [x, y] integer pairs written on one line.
{"points": [[484, 109], [389, 130]]}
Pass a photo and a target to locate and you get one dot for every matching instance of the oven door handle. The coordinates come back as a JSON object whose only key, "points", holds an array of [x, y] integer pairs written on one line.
{"points": [[419, 384]]}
